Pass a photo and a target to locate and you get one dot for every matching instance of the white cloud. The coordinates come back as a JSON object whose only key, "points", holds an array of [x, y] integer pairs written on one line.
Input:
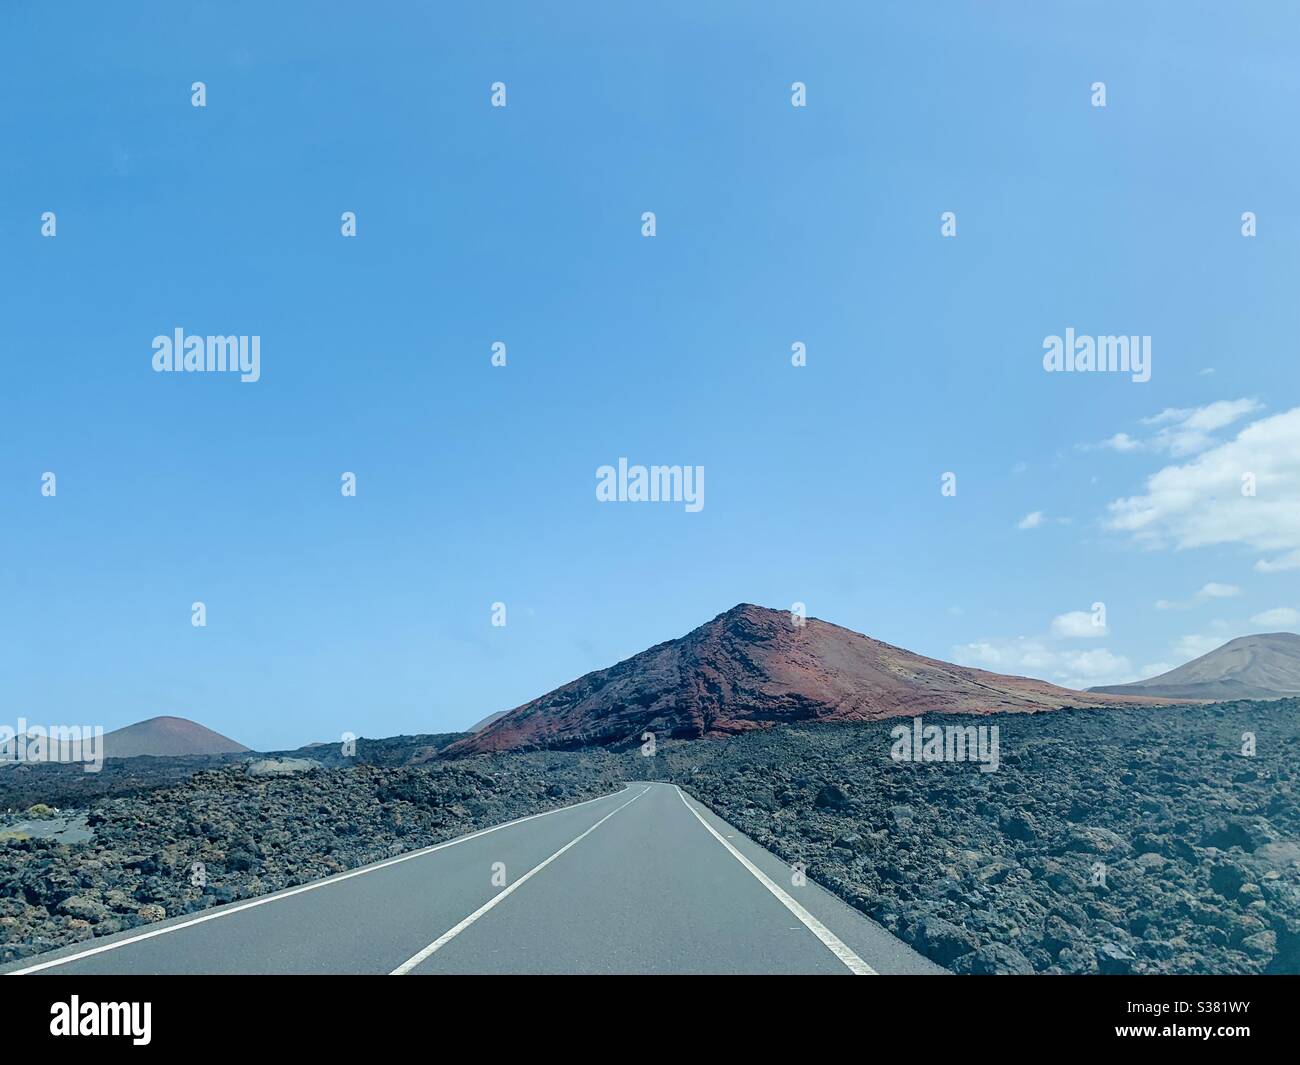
{"points": [[1277, 565], [1212, 590], [1031, 521], [1215, 590], [1280, 615], [1200, 503], [1121, 442], [1040, 656], [1035, 656], [1031, 657], [1186, 430], [1182, 431], [1078, 625]]}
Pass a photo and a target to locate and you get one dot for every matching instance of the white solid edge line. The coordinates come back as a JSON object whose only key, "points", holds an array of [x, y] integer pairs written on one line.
{"points": [[456, 930], [226, 911], [829, 939]]}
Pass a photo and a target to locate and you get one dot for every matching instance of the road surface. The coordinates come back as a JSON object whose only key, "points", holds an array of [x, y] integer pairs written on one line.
{"points": [[646, 880]]}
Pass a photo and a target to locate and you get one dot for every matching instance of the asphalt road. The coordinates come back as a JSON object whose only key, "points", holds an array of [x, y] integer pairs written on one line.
{"points": [[646, 880]]}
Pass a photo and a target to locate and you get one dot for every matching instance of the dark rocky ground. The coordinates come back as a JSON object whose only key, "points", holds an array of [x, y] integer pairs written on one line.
{"points": [[260, 826], [983, 872], [69, 784], [994, 872]]}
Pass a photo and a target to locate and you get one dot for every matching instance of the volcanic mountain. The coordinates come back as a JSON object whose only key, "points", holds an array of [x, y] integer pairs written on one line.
{"points": [[1266, 666], [167, 736], [752, 668]]}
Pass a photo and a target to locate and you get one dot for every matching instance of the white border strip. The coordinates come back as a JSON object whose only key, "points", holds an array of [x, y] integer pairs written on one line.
{"points": [[226, 911], [829, 940], [456, 930]]}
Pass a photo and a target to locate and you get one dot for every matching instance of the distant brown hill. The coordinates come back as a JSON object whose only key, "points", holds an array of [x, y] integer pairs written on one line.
{"points": [[167, 736], [750, 668], [1265, 666]]}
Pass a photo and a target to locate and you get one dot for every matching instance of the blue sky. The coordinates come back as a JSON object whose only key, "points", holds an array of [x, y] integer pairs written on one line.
{"points": [[775, 224]]}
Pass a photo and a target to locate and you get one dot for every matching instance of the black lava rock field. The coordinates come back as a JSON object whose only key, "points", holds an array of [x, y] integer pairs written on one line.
{"points": [[258, 826], [1107, 841]]}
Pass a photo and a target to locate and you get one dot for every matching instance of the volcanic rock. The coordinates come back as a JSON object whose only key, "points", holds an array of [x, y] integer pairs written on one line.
{"points": [[752, 668]]}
